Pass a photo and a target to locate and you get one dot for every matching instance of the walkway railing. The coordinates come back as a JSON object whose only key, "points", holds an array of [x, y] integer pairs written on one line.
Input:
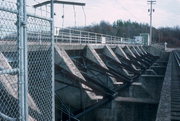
{"points": [[78, 36]]}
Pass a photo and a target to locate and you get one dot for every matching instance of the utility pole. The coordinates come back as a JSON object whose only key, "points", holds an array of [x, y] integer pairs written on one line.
{"points": [[151, 10]]}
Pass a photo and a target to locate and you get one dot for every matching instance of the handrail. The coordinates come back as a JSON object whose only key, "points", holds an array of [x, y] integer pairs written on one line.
{"points": [[177, 57], [69, 35]]}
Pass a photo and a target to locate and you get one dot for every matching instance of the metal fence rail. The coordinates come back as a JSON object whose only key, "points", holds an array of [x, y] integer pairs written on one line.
{"points": [[67, 35]]}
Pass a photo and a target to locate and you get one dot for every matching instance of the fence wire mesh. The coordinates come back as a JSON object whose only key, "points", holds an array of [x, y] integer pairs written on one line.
{"points": [[9, 105], [40, 68], [39, 63]]}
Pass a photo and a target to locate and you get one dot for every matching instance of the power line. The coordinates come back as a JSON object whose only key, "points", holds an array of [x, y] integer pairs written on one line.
{"points": [[63, 17], [84, 15], [129, 12], [74, 15]]}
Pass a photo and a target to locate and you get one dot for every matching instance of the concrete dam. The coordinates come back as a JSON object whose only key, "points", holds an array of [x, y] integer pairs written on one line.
{"points": [[95, 82], [50, 73], [98, 82]]}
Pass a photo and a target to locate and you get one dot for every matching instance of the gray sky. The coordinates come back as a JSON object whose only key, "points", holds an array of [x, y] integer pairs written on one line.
{"points": [[167, 12]]}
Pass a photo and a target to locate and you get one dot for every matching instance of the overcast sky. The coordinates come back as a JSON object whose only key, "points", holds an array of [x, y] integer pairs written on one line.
{"points": [[167, 12]]}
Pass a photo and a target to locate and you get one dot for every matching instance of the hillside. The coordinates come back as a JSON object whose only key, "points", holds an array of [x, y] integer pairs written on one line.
{"points": [[131, 29]]}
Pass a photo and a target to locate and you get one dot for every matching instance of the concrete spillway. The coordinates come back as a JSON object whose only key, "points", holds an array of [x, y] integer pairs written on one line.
{"points": [[108, 82]]}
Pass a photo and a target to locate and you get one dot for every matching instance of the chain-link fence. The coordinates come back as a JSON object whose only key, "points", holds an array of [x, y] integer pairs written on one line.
{"points": [[39, 70], [26, 65], [9, 62]]}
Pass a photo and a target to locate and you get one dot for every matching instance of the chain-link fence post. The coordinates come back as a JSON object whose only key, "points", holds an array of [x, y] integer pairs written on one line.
{"points": [[52, 46], [25, 62], [22, 49]]}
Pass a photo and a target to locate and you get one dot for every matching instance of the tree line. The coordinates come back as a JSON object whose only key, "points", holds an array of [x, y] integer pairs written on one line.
{"points": [[129, 29]]}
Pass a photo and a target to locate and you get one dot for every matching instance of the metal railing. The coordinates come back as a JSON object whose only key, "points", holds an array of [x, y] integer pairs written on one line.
{"points": [[177, 57], [68, 35]]}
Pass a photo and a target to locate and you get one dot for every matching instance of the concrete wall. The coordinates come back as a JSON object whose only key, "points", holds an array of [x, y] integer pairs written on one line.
{"points": [[118, 111]]}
